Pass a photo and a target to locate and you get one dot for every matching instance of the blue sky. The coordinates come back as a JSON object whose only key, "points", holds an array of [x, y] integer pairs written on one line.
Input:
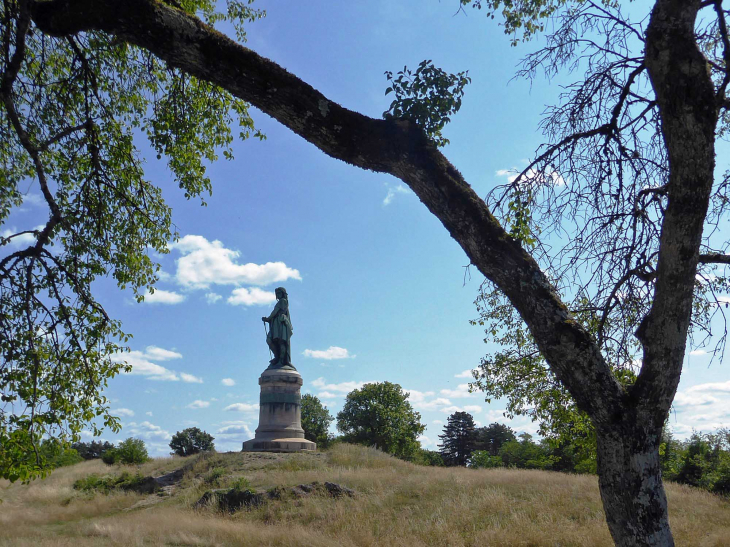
{"points": [[377, 288]]}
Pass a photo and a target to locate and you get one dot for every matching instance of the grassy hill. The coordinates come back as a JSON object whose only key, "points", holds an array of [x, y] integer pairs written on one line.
{"points": [[396, 503]]}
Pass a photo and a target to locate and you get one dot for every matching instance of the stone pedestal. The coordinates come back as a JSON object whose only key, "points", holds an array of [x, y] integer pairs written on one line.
{"points": [[280, 414]]}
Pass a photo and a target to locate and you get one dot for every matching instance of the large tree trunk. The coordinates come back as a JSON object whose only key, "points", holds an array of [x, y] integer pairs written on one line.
{"points": [[629, 475]]}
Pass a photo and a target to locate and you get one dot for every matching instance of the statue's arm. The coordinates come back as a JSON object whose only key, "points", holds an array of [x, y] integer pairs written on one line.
{"points": [[274, 312]]}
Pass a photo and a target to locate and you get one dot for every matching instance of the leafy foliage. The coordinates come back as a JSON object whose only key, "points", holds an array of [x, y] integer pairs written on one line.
{"points": [[58, 455], [458, 439], [590, 207], [702, 461], [316, 420], [427, 96], [92, 450], [529, 16], [107, 485], [430, 458], [191, 441], [380, 415], [129, 452], [492, 437], [72, 108]]}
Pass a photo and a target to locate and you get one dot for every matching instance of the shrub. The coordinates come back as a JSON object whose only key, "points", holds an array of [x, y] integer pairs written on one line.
{"points": [[213, 475], [109, 456], [105, 485], [482, 459], [57, 454], [428, 457]]}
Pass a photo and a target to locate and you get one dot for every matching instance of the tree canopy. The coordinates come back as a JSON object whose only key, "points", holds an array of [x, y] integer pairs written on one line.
{"points": [[380, 415], [191, 440], [316, 420]]}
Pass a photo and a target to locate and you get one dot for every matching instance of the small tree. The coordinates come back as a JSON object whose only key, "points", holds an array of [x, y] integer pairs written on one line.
{"points": [[191, 441], [492, 437], [458, 438], [316, 420], [130, 452], [380, 415]]}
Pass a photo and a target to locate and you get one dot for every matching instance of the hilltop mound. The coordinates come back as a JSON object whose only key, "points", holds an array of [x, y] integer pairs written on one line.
{"points": [[396, 503]]}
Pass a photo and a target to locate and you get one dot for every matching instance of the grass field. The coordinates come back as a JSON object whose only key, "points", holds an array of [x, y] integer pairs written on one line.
{"points": [[396, 504]]}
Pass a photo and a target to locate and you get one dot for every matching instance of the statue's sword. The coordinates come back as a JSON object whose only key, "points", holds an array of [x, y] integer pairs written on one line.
{"points": [[267, 336]]}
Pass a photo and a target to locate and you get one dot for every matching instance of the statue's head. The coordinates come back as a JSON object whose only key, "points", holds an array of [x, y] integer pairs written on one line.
{"points": [[281, 293]]}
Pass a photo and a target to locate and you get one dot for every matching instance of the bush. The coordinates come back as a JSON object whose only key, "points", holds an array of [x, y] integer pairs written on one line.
{"points": [[125, 481], [57, 454], [129, 452], [428, 457], [213, 475], [191, 441], [109, 456], [482, 459]]}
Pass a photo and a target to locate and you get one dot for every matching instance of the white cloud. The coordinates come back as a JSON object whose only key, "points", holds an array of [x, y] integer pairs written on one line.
{"points": [[434, 404], [683, 399], [198, 404], [228, 382], [333, 352], [698, 352], [415, 396], [702, 408], [161, 354], [251, 297], [147, 430], [464, 374], [472, 409], [22, 240], [163, 297], [122, 412], [425, 441], [723, 387], [212, 297], [190, 379], [33, 199], [148, 413], [235, 430], [142, 364], [328, 395], [549, 177], [204, 263], [461, 392], [393, 190], [342, 387], [438, 422], [242, 407]]}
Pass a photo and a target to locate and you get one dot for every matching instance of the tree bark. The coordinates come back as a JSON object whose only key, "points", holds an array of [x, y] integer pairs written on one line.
{"points": [[628, 422], [630, 481]]}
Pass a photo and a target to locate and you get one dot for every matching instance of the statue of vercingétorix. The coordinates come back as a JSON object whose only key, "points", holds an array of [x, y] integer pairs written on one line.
{"points": [[280, 331]]}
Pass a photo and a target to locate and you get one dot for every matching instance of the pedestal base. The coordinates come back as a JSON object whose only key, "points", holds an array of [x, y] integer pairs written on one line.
{"points": [[280, 414], [279, 445]]}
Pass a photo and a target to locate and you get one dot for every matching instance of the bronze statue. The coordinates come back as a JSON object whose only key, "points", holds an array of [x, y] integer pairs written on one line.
{"points": [[280, 331]]}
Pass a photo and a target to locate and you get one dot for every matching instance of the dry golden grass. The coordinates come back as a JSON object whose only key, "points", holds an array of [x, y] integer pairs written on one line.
{"points": [[398, 504]]}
